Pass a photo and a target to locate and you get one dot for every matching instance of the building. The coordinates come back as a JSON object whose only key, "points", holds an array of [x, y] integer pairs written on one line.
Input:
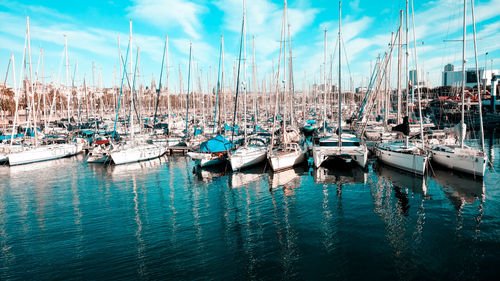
{"points": [[454, 78], [419, 78]]}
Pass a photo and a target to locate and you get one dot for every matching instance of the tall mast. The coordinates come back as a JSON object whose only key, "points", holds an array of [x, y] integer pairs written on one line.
{"points": [[324, 87], [290, 76], [462, 124], [285, 20], [406, 65], [340, 75], [16, 97], [67, 75], [131, 94], [244, 75], [254, 81], [168, 89], [44, 91], [478, 80], [188, 87], [223, 100], [400, 50], [416, 77], [31, 80]]}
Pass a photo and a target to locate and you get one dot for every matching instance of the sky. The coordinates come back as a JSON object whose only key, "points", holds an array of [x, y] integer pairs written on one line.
{"points": [[93, 28]]}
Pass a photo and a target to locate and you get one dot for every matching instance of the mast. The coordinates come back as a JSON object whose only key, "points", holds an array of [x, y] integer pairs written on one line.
{"points": [[31, 81], [478, 80], [244, 76], [217, 98], [223, 100], [419, 97], [16, 96], [67, 75], [340, 75], [188, 88], [462, 124], [400, 50], [324, 88], [131, 94], [168, 87], [254, 82], [406, 65], [44, 92], [290, 76], [278, 78]]}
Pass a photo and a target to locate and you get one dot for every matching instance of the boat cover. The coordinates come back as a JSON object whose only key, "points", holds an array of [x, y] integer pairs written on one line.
{"points": [[216, 144]]}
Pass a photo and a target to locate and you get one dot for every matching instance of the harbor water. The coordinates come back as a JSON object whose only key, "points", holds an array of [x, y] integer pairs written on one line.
{"points": [[166, 219]]}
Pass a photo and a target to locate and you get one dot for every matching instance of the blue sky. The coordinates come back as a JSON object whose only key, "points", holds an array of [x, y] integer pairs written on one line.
{"points": [[93, 27]]}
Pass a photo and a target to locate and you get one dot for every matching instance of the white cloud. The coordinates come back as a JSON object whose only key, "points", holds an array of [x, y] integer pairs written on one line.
{"points": [[170, 13]]}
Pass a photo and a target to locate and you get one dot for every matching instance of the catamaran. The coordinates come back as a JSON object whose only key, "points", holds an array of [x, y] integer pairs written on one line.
{"points": [[343, 146]]}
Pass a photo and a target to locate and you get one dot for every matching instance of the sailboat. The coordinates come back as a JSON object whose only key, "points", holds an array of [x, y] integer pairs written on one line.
{"points": [[405, 155], [36, 153], [462, 157], [254, 150], [134, 150], [343, 146], [212, 152], [290, 149]]}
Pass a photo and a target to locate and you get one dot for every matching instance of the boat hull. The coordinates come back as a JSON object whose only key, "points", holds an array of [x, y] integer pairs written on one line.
{"points": [[413, 163], [44, 153], [136, 154], [286, 160], [470, 164], [247, 158], [322, 154]]}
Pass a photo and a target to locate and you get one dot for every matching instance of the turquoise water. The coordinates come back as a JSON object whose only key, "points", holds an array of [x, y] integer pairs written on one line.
{"points": [[163, 219]]}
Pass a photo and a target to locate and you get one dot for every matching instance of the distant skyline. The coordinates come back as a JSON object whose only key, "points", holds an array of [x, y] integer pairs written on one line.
{"points": [[93, 28]]}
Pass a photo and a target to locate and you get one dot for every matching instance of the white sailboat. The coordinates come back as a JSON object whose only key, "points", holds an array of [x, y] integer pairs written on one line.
{"points": [[252, 153], [462, 157], [31, 154], [404, 155], [328, 148], [134, 150], [290, 150], [129, 153], [289, 153], [254, 150], [346, 147], [44, 153]]}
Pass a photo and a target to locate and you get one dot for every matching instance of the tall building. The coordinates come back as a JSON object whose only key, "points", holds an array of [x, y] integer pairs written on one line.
{"points": [[418, 78], [454, 78]]}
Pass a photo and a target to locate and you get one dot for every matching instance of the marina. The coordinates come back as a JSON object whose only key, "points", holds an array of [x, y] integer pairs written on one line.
{"points": [[225, 164]]}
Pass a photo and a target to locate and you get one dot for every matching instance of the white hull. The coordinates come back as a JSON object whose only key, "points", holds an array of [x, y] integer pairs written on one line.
{"points": [[323, 153], [44, 153], [413, 163], [285, 160], [206, 159], [136, 153], [245, 157], [463, 160]]}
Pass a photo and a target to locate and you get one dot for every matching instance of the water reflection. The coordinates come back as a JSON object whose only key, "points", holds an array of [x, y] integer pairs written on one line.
{"points": [[207, 174], [460, 189], [340, 177], [243, 178], [287, 179], [402, 180]]}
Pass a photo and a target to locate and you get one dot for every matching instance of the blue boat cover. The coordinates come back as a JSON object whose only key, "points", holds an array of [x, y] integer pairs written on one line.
{"points": [[216, 144], [7, 137], [311, 122]]}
